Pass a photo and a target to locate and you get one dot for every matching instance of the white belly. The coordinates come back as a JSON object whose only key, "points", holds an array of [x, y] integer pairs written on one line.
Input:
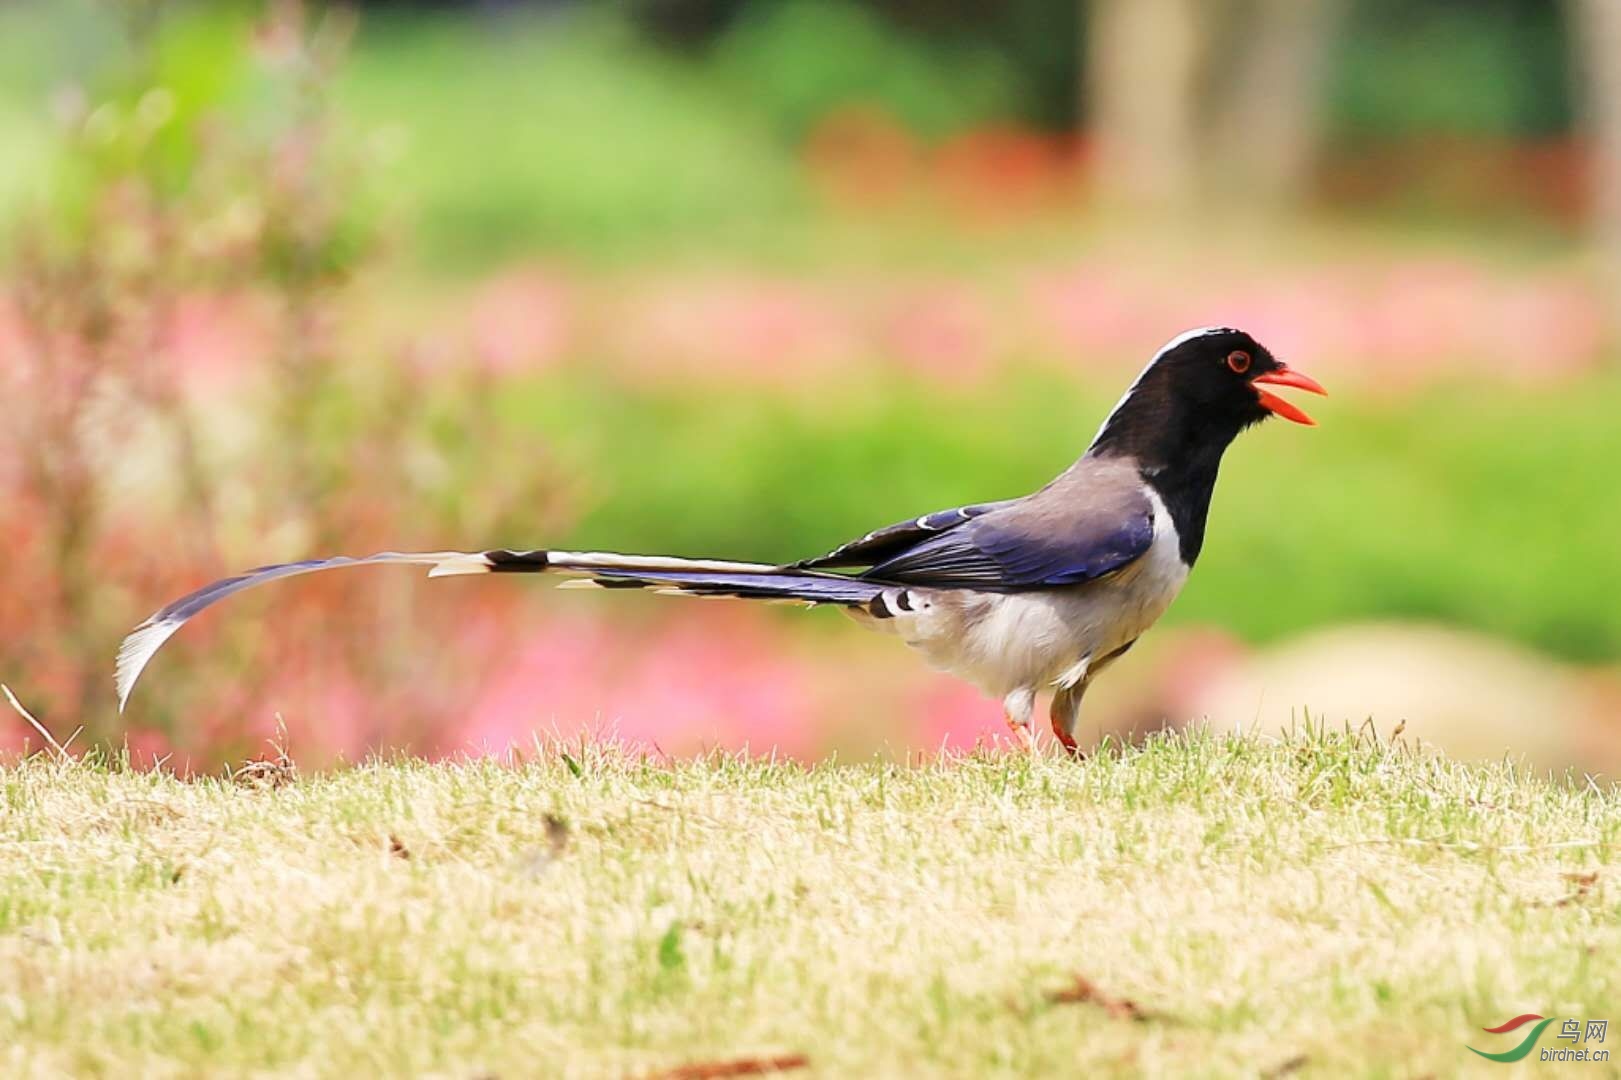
{"points": [[1004, 641]]}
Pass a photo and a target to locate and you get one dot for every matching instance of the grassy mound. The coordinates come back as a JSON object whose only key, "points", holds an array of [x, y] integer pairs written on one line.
{"points": [[1327, 904]]}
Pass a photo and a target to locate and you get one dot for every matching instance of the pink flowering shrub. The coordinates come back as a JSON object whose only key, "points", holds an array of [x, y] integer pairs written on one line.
{"points": [[177, 407]]}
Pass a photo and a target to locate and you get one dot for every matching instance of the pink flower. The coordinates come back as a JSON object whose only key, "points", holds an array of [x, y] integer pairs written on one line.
{"points": [[952, 715], [722, 679], [214, 342], [1091, 312], [684, 693], [771, 333], [521, 321], [544, 687], [943, 333], [147, 748]]}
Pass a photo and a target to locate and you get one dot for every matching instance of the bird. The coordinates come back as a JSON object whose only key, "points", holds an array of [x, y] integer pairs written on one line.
{"points": [[1019, 596]]}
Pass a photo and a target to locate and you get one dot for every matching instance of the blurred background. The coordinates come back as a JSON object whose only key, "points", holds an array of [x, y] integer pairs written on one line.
{"points": [[749, 277]]}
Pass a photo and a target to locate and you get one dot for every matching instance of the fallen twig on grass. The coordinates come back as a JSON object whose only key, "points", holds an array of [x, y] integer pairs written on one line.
{"points": [[1583, 886], [1083, 991], [1289, 1066], [717, 1070], [61, 751]]}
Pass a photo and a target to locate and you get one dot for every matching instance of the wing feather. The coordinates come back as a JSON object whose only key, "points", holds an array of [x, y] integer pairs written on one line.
{"points": [[881, 544], [1090, 522]]}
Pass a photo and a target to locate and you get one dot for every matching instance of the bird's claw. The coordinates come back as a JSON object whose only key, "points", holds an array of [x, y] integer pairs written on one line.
{"points": [[1067, 741], [1020, 730]]}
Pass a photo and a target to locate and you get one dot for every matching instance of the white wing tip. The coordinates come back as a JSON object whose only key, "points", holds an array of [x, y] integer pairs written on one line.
{"points": [[136, 651], [461, 564]]}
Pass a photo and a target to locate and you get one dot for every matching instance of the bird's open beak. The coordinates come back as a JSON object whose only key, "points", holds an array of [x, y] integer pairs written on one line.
{"points": [[1283, 375]]}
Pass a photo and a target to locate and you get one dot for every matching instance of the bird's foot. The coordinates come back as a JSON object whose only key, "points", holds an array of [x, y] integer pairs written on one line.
{"points": [[1065, 709], [1017, 708], [1067, 741], [1020, 730]]}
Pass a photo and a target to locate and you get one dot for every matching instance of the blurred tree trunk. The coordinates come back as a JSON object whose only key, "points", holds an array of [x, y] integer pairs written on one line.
{"points": [[1266, 96], [1141, 75], [1206, 100], [1596, 32]]}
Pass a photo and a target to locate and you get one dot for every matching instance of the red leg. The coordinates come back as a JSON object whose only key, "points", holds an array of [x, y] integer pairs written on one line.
{"points": [[1066, 707], [1066, 739]]}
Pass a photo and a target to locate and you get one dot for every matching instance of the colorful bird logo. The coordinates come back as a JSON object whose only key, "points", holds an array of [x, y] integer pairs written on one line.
{"points": [[1525, 1047]]}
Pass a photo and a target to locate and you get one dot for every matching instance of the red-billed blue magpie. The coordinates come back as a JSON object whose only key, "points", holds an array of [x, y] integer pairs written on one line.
{"points": [[1043, 591]]}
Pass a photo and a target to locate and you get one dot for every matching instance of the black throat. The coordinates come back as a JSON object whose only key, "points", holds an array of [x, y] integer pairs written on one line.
{"points": [[1177, 445]]}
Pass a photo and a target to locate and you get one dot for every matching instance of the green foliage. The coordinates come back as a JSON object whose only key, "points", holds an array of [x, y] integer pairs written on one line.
{"points": [[608, 145], [214, 127], [800, 60], [514, 131], [1495, 67], [564, 131]]}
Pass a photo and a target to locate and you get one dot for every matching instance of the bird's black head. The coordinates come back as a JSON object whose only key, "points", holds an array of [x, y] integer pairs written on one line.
{"points": [[1190, 402], [1195, 396]]}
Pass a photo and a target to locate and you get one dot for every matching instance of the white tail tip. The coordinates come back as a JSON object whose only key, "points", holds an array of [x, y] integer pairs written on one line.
{"points": [[136, 650]]}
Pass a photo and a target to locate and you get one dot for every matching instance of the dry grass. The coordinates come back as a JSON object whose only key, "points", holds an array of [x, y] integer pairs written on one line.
{"points": [[1322, 906]]}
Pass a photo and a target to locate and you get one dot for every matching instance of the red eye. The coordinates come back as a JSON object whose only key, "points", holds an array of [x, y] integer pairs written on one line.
{"points": [[1239, 361]]}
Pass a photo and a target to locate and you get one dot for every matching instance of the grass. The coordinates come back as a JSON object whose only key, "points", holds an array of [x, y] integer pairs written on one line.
{"points": [[1326, 905]]}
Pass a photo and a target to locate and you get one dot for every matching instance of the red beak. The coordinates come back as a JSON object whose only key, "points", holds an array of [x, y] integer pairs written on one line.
{"points": [[1283, 375]]}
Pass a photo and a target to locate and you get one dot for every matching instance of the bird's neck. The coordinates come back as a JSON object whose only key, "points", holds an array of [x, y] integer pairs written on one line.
{"points": [[1186, 489], [1178, 453]]}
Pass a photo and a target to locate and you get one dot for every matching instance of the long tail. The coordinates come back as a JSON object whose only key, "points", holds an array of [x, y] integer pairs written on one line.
{"points": [[668, 574]]}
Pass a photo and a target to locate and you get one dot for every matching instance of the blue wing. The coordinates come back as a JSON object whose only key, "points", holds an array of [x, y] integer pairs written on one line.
{"points": [[1056, 537], [881, 544], [999, 558]]}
